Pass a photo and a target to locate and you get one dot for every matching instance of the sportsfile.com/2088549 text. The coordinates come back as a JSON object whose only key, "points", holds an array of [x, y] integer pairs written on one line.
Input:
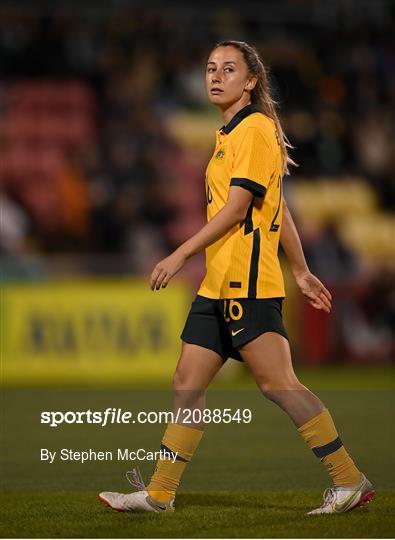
{"points": [[113, 415]]}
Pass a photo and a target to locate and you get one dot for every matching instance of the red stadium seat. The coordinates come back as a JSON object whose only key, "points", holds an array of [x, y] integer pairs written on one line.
{"points": [[43, 120]]}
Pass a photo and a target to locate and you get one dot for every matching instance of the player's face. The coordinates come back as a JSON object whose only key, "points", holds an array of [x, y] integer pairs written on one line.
{"points": [[227, 77]]}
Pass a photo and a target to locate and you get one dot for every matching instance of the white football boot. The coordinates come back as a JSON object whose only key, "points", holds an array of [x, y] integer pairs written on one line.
{"points": [[340, 499], [139, 501]]}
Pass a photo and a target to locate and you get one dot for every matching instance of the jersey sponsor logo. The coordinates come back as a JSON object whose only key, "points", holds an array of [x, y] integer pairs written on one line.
{"points": [[235, 332], [220, 154]]}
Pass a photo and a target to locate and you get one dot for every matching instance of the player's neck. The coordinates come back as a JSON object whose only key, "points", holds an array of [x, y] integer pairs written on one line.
{"points": [[233, 109]]}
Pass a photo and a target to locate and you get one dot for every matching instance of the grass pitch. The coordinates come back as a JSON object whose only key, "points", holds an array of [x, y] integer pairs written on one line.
{"points": [[198, 515]]}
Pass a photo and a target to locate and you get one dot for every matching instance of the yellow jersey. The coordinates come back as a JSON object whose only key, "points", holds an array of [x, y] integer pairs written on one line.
{"points": [[244, 263]]}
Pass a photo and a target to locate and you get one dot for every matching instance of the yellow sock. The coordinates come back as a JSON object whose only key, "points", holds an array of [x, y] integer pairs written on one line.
{"points": [[321, 436], [179, 439]]}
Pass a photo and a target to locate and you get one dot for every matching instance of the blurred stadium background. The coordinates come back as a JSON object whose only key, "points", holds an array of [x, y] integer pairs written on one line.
{"points": [[105, 133]]}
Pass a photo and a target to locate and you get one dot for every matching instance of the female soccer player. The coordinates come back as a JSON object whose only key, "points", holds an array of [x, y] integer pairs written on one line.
{"points": [[237, 311]]}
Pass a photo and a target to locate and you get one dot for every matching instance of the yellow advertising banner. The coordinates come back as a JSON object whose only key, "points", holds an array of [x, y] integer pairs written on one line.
{"points": [[94, 331]]}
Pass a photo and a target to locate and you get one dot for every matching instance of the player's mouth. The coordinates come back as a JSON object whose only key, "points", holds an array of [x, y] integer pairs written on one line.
{"points": [[215, 91]]}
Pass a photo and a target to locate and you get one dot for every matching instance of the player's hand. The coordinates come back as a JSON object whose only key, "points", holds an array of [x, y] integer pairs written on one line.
{"points": [[315, 292], [166, 269]]}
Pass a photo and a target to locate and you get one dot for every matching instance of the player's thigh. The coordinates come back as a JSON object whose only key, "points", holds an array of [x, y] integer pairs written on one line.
{"points": [[269, 358], [196, 367]]}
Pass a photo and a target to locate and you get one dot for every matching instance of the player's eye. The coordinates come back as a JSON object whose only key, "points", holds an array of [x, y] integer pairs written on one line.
{"points": [[228, 69], [210, 69]]}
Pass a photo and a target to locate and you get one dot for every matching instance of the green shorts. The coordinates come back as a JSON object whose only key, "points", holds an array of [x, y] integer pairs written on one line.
{"points": [[225, 325]]}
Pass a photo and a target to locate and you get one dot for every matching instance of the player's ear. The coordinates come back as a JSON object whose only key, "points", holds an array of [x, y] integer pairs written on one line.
{"points": [[251, 83]]}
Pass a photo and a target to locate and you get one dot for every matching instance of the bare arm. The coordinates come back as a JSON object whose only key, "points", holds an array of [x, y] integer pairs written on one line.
{"points": [[231, 214], [311, 287], [291, 243]]}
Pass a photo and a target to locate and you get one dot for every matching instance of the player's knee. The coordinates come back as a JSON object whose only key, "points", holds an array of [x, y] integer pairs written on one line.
{"points": [[178, 379], [279, 392], [185, 396], [182, 380]]}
